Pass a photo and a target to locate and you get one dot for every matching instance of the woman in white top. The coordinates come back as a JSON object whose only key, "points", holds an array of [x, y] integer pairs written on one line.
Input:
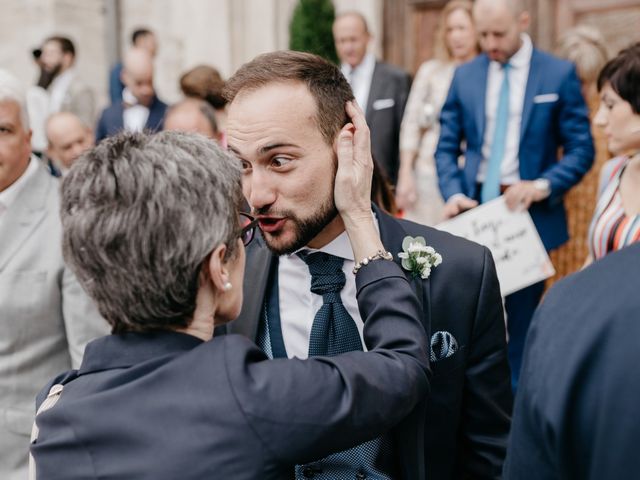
{"points": [[417, 191]]}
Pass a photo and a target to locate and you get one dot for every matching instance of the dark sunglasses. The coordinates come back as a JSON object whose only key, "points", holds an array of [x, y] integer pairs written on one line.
{"points": [[248, 225]]}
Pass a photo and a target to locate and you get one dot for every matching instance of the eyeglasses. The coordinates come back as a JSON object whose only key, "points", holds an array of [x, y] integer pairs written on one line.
{"points": [[248, 224]]}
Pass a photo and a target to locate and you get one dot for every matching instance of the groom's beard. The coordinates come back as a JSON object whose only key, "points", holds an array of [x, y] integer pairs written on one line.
{"points": [[305, 229]]}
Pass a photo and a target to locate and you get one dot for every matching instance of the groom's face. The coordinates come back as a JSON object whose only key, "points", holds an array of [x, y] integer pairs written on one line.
{"points": [[288, 167]]}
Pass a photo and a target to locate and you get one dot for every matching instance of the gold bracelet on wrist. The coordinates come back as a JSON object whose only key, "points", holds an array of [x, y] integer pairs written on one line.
{"points": [[379, 255]]}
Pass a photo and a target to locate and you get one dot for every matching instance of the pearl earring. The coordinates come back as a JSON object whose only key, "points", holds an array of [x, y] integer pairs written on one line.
{"points": [[227, 286]]}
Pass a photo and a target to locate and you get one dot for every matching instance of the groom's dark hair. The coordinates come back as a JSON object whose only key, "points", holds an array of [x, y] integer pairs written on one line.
{"points": [[325, 82]]}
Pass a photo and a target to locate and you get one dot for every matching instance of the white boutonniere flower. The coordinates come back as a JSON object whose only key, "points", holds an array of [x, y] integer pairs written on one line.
{"points": [[418, 257]]}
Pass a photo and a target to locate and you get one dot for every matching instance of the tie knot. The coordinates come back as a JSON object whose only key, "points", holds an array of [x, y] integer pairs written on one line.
{"points": [[326, 272]]}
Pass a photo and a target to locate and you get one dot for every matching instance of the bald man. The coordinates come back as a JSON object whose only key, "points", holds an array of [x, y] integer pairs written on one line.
{"points": [[67, 138], [140, 108], [515, 107], [194, 116], [380, 89]]}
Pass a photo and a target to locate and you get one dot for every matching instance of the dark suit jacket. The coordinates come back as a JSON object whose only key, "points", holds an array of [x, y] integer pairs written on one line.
{"points": [[168, 406], [115, 84], [554, 115], [384, 110], [576, 414], [111, 120], [468, 412]]}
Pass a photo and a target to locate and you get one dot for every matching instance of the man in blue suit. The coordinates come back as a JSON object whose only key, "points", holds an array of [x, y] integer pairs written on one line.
{"points": [[140, 109], [515, 107], [581, 420]]}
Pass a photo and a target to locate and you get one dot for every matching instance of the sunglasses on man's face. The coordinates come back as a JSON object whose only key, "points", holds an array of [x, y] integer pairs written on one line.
{"points": [[248, 225]]}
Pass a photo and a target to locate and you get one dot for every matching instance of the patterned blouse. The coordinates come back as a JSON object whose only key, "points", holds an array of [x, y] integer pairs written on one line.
{"points": [[611, 228]]}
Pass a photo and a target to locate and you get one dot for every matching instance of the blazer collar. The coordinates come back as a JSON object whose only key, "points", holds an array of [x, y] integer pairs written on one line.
{"points": [[532, 88], [156, 114], [259, 263], [27, 211], [375, 91], [392, 234], [482, 77], [129, 349]]}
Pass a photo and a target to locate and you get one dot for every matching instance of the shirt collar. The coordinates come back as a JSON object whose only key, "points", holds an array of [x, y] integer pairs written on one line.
{"points": [[9, 194], [339, 246], [128, 97], [367, 65], [129, 349], [522, 57], [63, 80]]}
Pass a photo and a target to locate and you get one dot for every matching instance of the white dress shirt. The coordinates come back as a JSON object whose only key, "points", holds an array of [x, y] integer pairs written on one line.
{"points": [[9, 194], [360, 78], [298, 306], [518, 76], [135, 115], [58, 89]]}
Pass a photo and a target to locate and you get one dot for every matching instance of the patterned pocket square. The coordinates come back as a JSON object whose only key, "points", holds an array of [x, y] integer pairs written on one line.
{"points": [[443, 345]]}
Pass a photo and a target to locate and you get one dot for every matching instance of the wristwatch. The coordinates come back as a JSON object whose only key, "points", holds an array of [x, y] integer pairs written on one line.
{"points": [[543, 185]]}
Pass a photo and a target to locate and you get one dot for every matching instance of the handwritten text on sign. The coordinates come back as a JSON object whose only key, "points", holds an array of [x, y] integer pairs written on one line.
{"points": [[517, 250]]}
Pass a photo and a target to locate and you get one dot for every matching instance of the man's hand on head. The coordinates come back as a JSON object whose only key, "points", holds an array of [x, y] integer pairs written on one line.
{"points": [[352, 193]]}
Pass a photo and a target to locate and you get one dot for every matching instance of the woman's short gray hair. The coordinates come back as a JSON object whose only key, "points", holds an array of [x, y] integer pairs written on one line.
{"points": [[140, 214]]}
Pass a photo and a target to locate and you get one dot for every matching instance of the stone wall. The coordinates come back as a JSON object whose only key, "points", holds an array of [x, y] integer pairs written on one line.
{"points": [[222, 33]]}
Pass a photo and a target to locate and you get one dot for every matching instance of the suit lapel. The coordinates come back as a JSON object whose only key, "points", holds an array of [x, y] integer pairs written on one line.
{"points": [[256, 274], [26, 213], [392, 234], [116, 123], [374, 92], [480, 110], [408, 435], [155, 115], [531, 89]]}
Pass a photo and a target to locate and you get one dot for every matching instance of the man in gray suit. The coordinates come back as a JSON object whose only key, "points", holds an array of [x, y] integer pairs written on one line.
{"points": [[45, 317], [380, 89]]}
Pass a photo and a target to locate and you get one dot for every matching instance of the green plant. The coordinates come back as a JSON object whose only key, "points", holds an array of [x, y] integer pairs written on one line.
{"points": [[310, 28]]}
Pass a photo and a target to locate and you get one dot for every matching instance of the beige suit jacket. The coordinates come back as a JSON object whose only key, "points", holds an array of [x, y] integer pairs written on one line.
{"points": [[79, 99], [45, 317]]}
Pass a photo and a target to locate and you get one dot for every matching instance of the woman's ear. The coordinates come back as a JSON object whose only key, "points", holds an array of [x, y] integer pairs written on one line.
{"points": [[217, 268]]}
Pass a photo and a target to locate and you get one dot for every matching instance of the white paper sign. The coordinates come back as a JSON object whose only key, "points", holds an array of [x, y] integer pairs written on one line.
{"points": [[518, 252]]}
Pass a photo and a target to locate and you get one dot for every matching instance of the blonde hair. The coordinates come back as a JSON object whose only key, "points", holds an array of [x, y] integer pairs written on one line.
{"points": [[586, 47], [441, 50]]}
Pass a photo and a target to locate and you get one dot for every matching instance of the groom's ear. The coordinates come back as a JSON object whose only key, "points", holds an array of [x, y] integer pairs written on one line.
{"points": [[334, 145]]}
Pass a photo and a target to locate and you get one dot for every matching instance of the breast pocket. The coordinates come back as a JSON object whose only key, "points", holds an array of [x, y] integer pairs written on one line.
{"points": [[448, 367], [18, 420]]}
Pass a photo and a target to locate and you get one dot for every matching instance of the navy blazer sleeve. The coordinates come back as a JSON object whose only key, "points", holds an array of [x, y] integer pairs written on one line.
{"points": [[575, 138], [450, 177], [305, 409], [576, 413]]}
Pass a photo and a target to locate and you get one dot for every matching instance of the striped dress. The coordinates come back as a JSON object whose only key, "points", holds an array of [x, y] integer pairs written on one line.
{"points": [[611, 228]]}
